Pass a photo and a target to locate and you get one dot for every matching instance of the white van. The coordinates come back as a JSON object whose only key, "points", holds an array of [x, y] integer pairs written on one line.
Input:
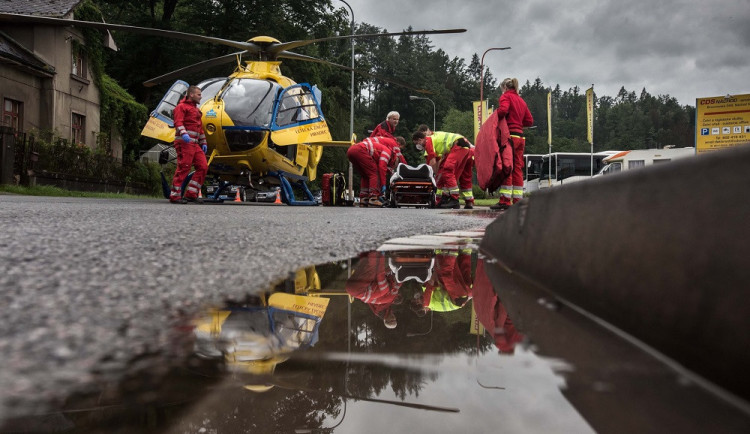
{"points": [[627, 160]]}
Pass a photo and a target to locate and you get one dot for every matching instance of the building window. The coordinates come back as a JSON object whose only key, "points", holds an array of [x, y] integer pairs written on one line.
{"points": [[79, 60], [78, 129], [13, 114]]}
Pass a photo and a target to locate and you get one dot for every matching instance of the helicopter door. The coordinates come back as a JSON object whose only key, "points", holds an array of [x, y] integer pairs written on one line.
{"points": [[160, 125], [297, 117]]}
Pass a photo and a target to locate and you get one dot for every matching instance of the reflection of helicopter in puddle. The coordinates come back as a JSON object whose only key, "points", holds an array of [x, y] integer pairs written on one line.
{"points": [[260, 125], [253, 338]]}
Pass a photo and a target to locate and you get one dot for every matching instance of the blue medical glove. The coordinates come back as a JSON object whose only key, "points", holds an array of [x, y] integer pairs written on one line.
{"points": [[186, 137], [382, 191], [205, 149]]}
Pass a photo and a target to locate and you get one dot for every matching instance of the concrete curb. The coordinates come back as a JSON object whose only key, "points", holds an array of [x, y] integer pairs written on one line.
{"points": [[662, 253]]}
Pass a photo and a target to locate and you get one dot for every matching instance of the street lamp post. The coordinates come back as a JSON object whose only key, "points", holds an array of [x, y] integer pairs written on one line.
{"points": [[481, 73], [413, 97], [350, 193]]}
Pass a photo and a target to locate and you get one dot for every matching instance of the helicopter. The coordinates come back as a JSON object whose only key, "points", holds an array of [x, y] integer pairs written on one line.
{"points": [[263, 129]]}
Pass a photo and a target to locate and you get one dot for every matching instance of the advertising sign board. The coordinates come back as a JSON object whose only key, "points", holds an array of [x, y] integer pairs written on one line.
{"points": [[722, 122]]}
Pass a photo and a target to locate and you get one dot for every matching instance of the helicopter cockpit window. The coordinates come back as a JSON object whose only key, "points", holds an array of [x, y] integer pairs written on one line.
{"points": [[210, 87], [297, 105], [249, 102]]}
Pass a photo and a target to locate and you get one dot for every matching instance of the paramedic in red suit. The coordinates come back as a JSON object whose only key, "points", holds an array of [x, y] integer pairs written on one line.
{"points": [[375, 286], [371, 159], [451, 157], [394, 144], [492, 314], [513, 108], [454, 272], [190, 144], [453, 278], [387, 128]]}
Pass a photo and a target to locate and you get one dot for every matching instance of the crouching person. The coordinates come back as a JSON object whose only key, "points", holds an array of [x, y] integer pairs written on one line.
{"points": [[452, 158], [371, 159]]}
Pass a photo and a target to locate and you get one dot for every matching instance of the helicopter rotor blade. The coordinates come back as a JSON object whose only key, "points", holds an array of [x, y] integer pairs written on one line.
{"points": [[296, 56], [278, 48], [29, 19], [221, 60]]}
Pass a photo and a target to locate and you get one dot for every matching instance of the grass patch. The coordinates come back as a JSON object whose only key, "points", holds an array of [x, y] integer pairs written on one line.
{"points": [[47, 190], [486, 202]]}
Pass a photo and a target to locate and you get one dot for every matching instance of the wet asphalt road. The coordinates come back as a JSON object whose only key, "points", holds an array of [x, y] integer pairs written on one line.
{"points": [[86, 284]]}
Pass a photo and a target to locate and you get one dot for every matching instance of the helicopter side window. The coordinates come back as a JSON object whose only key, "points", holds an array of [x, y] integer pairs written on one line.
{"points": [[249, 102], [296, 105], [171, 99]]}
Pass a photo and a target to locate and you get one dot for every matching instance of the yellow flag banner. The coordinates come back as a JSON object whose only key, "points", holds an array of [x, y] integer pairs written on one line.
{"points": [[590, 113], [549, 118], [480, 115], [476, 327]]}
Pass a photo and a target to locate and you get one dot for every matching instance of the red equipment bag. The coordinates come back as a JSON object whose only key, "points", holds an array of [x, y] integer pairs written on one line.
{"points": [[332, 186], [493, 154], [325, 187]]}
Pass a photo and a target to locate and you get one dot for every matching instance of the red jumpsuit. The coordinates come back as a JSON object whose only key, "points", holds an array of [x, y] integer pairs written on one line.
{"points": [[383, 129], [453, 275], [492, 314], [513, 108], [394, 147], [371, 159], [454, 271], [454, 169], [371, 284], [187, 120]]}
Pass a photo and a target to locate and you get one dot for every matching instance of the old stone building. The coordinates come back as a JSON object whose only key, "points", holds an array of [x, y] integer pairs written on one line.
{"points": [[46, 83]]}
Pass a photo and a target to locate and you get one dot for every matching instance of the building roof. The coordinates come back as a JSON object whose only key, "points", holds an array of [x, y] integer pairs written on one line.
{"points": [[46, 8], [11, 52]]}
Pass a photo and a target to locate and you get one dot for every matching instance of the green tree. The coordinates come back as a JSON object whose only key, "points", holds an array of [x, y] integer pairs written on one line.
{"points": [[460, 122]]}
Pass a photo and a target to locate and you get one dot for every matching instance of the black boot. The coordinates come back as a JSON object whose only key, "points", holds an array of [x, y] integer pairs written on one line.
{"points": [[449, 202]]}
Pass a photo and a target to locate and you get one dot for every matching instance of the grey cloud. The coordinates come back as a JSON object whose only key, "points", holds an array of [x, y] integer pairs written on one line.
{"points": [[683, 48]]}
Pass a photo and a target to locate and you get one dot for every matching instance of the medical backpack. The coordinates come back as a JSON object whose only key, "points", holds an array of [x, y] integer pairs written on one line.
{"points": [[333, 186]]}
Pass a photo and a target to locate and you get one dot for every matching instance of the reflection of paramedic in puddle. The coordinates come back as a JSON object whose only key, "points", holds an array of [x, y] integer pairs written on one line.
{"points": [[492, 314], [449, 288], [374, 284]]}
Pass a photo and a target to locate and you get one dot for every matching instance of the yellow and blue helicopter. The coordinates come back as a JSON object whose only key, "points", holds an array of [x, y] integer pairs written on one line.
{"points": [[263, 129]]}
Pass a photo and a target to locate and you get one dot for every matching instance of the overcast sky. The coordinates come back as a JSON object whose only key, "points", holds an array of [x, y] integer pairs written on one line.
{"points": [[684, 48]]}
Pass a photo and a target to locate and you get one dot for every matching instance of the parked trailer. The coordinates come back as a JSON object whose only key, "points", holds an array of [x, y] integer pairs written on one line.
{"points": [[627, 160]]}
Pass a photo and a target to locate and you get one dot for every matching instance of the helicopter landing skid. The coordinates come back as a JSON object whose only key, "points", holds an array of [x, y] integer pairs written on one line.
{"points": [[287, 192]]}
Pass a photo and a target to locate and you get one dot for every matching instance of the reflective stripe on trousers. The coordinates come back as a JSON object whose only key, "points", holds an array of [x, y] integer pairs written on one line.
{"points": [[506, 191], [517, 194]]}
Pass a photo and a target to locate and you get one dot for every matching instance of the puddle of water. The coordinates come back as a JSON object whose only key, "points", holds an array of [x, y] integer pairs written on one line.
{"points": [[422, 335]]}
